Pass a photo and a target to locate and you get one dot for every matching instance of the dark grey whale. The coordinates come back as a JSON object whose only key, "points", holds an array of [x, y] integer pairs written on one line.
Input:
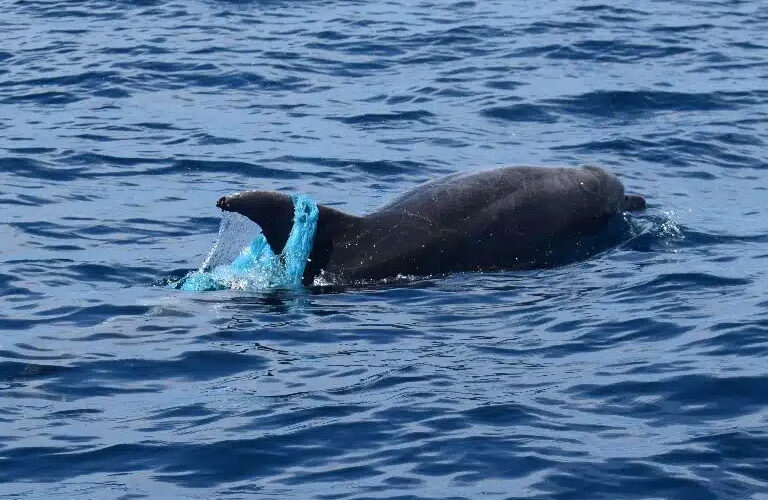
{"points": [[500, 219]]}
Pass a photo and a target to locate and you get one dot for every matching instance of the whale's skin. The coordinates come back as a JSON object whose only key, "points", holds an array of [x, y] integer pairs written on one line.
{"points": [[508, 218]]}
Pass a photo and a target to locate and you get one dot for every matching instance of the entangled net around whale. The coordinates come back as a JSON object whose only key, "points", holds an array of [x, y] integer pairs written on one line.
{"points": [[241, 258]]}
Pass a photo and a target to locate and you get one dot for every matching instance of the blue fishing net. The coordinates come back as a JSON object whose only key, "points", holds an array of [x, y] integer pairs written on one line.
{"points": [[257, 267]]}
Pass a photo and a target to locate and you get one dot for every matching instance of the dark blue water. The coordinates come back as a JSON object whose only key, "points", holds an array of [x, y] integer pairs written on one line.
{"points": [[638, 373]]}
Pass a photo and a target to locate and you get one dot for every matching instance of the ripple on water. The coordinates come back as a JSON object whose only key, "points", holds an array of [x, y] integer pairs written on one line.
{"points": [[635, 373]]}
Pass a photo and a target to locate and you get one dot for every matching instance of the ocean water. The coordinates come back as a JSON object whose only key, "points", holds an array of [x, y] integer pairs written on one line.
{"points": [[641, 372]]}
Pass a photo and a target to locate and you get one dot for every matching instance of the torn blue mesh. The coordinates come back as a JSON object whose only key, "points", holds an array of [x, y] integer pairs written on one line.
{"points": [[257, 267]]}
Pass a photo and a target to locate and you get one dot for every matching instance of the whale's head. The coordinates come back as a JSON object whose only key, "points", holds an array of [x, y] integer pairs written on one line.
{"points": [[609, 191], [273, 212], [633, 203]]}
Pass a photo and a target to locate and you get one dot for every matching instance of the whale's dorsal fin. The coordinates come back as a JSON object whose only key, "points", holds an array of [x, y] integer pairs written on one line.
{"points": [[273, 212]]}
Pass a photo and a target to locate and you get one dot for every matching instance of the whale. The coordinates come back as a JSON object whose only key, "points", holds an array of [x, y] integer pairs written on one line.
{"points": [[509, 218]]}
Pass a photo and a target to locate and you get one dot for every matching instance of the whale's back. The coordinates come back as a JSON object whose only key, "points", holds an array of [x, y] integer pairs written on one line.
{"points": [[458, 196], [514, 217]]}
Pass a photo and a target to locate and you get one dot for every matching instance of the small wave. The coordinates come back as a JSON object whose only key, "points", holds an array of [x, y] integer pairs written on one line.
{"points": [[521, 113], [378, 118], [16, 370], [88, 78], [609, 103], [687, 397], [45, 98], [735, 338]]}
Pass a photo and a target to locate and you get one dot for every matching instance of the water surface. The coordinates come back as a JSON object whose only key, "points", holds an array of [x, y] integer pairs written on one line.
{"points": [[638, 373]]}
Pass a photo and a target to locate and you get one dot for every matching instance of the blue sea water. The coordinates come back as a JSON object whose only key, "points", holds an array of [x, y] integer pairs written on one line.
{"points": [[641, 372]]}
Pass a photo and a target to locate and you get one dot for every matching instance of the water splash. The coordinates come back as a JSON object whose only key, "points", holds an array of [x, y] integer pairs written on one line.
{"points": [[655, 231], [241, 258]]}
